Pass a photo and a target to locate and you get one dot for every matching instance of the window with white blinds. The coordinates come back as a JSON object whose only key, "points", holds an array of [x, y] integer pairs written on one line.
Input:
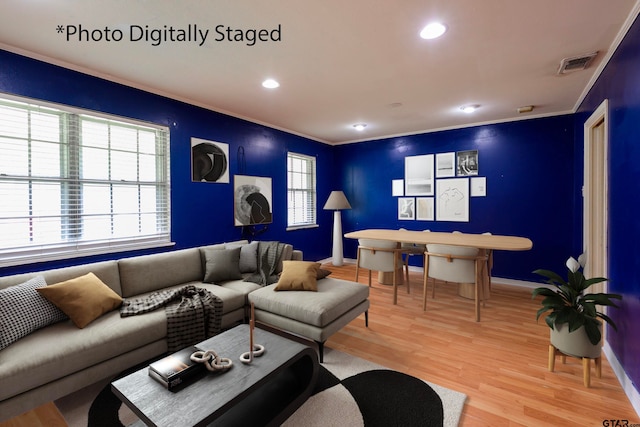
{"points": [[75, 183], [301, 191]]}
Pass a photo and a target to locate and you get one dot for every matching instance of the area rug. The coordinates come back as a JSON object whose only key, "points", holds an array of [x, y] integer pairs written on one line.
{"points": [[350, 392]]}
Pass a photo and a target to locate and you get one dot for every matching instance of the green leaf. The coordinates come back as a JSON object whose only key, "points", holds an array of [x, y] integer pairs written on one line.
{"points": [[594, 280], [543, 291], [607, 319], [602, 299], [554, 303], [541, 312], [593, 332], [550, 320], [562, 316], [589, 309]]}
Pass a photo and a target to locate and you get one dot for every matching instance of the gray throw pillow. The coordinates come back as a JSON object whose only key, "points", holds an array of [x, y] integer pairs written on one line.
{"points": [[222, 265], [23, 310], [248, 256]]}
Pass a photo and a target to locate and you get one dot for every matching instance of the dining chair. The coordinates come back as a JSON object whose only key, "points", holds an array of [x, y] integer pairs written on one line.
{"points": [[409, 250], [489, 265], [380, 255], [454, 264]]}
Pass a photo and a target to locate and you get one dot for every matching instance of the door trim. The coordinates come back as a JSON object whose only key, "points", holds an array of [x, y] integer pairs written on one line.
{"points": [[599, 116]]}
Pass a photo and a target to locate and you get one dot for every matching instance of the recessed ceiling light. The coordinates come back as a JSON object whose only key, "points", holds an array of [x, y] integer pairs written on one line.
{"points": [[469, 108], [433, 31], [360, 126], [270, 84]]}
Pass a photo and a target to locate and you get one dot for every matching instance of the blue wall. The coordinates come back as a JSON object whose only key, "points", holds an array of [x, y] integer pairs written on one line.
{"points": [[620, 84], [202, 213], [528, 167]]}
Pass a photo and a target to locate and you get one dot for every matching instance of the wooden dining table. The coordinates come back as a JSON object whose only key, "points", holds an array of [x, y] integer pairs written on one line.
{"points": [[480, 241], [484, 242]]}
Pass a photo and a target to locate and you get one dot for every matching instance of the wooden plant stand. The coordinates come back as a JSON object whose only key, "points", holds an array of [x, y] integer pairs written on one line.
{"points": [[586, 364]]}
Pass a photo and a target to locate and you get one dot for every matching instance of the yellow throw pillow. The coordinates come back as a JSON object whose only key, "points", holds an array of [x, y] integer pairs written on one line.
{"points": [[83, 299], [298, 276]]}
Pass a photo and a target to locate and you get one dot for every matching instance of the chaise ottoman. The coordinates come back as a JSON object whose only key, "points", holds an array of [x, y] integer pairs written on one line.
{"points": [[313, 315]]}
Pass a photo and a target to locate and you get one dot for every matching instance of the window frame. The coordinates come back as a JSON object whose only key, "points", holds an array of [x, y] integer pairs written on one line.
{"points": [[311, 188], [67, 244]]}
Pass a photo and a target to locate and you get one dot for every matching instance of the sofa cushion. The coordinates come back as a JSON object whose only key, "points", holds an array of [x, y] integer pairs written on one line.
{"points": [[322, 273], [248, 256], [298, 276], [83, 299], [222, 265], [333, 298], [149, 273], [242, 286], [61, 349], [23, 310], [107, 271]]}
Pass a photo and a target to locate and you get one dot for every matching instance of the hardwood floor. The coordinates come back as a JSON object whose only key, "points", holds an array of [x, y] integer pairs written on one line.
{"points": [[500, 363]]}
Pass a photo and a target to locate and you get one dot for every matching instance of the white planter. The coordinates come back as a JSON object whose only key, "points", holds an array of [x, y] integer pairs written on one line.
{"points": [[576, 343]]}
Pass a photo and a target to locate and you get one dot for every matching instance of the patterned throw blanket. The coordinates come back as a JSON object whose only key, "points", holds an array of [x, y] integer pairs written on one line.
{"points": [[269, 254], [193, 314]]}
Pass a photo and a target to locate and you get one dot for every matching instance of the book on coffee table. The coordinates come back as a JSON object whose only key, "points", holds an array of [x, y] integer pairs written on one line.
{"points": [[174, 369]]}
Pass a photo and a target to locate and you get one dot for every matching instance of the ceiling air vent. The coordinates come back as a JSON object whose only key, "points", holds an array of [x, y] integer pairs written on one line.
{"points": [[576, 63]]}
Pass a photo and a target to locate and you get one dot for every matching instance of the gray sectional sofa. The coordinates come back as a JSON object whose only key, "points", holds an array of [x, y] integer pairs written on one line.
{"points": [[60, 358]]}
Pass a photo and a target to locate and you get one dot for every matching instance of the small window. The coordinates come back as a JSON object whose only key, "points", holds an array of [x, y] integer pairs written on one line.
{"points": [[301, 191], [75, 183]]}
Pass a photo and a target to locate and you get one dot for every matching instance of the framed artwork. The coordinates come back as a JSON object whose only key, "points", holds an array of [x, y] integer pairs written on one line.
{"points": [[425, 209], [467, 163], [252, 200], [397, 187], [445, 165], [452, 199], [418, 175], [406, 208], [209, 161], [478, 186]]}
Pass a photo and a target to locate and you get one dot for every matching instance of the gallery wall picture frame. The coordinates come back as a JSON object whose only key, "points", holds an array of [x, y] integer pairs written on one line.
{"points": [[209, 161], [479, 186], [397, 187], [445, 165], [418, 175], [252, 200], [425, 209], [452, 199], [467, 162], [406, 208]]}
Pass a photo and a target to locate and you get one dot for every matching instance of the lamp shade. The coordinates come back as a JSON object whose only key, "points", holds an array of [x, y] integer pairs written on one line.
{"points": [[337, 201]]}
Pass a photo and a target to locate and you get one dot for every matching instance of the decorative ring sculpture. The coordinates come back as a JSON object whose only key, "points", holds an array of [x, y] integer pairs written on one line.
{"points": [[212, 361], [258, 350]]}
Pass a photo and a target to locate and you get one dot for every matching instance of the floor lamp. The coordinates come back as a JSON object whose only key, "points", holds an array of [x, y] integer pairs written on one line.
{"points": [[337, 202]]}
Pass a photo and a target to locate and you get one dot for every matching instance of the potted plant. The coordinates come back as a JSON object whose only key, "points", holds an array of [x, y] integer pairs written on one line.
{"points": [[573, 316]]}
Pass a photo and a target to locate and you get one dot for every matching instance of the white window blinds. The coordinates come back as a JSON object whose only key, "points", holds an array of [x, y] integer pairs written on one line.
{"points": [[301, 190], [76, 183]]}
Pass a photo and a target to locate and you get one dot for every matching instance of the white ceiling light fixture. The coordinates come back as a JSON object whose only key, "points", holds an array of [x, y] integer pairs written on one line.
{"points": [[433, 31], [470, 108], [360, 126], [270, 84]]}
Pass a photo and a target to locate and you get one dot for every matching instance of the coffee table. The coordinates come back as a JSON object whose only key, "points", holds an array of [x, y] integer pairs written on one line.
{"points": [[265, 392]]}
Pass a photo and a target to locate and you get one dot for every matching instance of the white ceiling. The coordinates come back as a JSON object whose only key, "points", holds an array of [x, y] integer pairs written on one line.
{"points": [[339, 62]]}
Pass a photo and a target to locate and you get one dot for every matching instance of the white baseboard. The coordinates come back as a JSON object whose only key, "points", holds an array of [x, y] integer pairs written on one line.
{"points": [[627, 385]]}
